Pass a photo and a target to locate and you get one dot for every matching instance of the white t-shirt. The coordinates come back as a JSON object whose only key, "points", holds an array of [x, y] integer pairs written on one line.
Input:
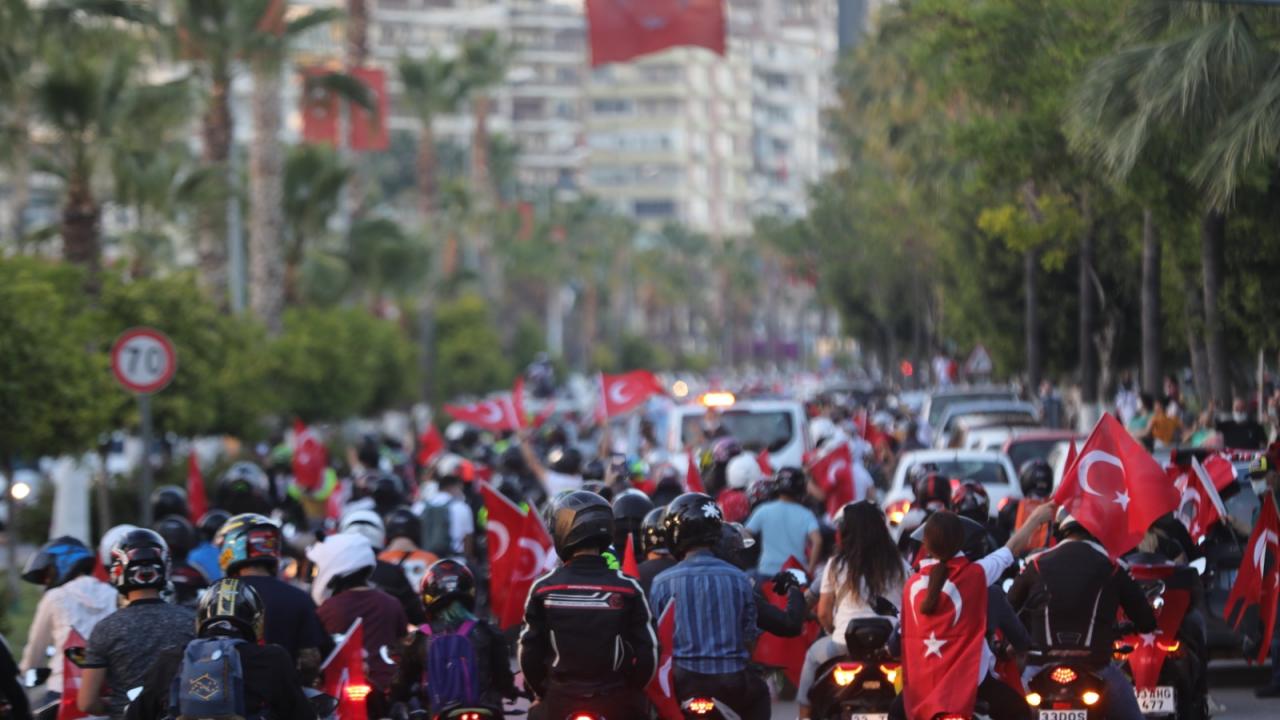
{"points": [[848, 606], [559, 482], [461, 523]]}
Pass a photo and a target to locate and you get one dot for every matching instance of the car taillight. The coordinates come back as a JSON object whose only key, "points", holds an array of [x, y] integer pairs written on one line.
{"points": [[890, 671], [700, 706], [357, 693], [898, 510], [1090, 698], [1063, 675], [844, 673]]}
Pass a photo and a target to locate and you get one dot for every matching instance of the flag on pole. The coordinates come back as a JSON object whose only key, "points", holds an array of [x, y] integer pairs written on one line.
{"points": [[693, 478], [343, 674], [661, 689], [621, 30], [1259, 580], [197, 501]]}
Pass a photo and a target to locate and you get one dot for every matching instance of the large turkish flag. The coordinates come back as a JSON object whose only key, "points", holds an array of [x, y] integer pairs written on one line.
{"points": [[941, 653], [620, 30], [626, 392], [518, 550], [497, 415]]}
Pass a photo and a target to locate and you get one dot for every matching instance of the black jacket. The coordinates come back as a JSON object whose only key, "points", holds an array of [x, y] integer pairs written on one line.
{"points": [[649, 570], [773, 619], [586, 628], [1068, 597], [390, 579], [271, 685], [493, 667]]}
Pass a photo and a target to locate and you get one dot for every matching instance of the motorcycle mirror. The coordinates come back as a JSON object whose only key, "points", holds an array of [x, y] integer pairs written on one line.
{"points": [[1200, 565], [76, 655]]}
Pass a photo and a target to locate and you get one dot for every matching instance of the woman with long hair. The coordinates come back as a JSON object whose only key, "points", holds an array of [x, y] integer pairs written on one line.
{"points": [[866, 566]]}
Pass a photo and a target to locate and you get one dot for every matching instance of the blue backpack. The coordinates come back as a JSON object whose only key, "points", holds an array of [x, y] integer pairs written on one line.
{"points": [[451, 677], [210, 683]]}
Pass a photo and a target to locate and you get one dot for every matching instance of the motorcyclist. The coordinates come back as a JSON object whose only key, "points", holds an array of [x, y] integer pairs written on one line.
{"points": [[738, 548], [205, 554], [387, 577], [932, 493], [404, 532], [249, 548], [714, 477], [1036, 479], [653, 545], [588, 642], [629, 510], [1068, 597], [230, 609], [73, 598], [10, 689], [186, 580], [169, 500], [713, 638], [785, 527], [741, 472], [448, 593], [123, 645], [244, 488]]}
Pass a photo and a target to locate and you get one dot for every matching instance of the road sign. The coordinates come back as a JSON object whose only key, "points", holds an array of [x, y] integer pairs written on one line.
{"points": [[143, 361], [979, 362]]}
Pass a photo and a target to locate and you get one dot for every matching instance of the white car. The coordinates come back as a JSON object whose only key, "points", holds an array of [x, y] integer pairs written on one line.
{"points": [[992, 468], [777, 425]]}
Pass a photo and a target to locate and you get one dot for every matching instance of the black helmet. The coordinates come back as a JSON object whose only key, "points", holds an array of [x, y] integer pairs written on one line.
{"points": [[566, 460], [58, 562], [977, 542], [736, 546], [403, 523], [389, 492], [179, 534], [245, 478], [211, 522], [593, 470], [629, 510], [230, 607], [692, 520], [761, 491], [1036, 478], [446, 581], [139, 560], [790, 481], [933, 491], [169, 500], [970, 500], [653, 535], [580, 519]]}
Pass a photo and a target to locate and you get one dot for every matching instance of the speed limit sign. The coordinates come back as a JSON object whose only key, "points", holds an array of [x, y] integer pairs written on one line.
{"points": [[143, 361]]}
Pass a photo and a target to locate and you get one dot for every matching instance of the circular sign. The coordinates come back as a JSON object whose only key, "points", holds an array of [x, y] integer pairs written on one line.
{"points": [[143, 361]]}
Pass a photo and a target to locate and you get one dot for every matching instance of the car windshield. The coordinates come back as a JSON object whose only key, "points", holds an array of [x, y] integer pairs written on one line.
{"points": [[987, 472], [938, 407], [772, 429], [1024, 450]]}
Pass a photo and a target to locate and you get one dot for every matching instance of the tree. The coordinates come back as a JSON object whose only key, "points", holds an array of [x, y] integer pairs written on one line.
{"points": [[484, 61], [314, 177], [432, 87], [470, 360]]}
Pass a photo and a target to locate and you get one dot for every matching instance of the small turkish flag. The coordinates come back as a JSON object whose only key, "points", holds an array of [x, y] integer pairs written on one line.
{"points": [[662, 688], [765, 462], [1200, 505], [625, 392], [309, 457], [496, 415], [1259, 580], [197, 500], [1115, 488], [693, 478], [630, 567], [833, 473], [343, 673], [429, 445], [620, 30], [71, 673], [518, 550], [1220, 471], [941, 651]]}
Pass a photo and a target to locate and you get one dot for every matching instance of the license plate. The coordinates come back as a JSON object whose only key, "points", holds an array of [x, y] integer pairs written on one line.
{"points": [[1156, 701], [869, 716], [871, 685], [1064, 715]]}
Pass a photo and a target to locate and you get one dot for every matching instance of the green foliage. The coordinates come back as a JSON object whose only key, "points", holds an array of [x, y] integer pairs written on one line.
{"points": [[469, 357], [639, 352]]}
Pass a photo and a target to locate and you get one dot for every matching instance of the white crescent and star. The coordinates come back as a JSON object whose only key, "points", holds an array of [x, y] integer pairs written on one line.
{"points": [[618, 395], [504, 537], [1268, 537], [1086, 464], [492, 412], [539, 557], [835, 469], [948, 588], [933, 645]]}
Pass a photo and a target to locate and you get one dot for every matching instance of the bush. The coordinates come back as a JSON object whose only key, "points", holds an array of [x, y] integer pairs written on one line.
{"points": [[469, 357]]}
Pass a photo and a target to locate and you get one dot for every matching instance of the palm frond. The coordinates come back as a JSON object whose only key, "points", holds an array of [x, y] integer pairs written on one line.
{"points": [[1248, 136]]}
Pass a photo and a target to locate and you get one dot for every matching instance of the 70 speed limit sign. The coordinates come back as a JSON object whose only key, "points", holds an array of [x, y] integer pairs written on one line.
{"points": [[143, 361]]}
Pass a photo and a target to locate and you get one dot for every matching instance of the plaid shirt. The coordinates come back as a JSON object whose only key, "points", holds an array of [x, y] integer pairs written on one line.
{"points": [[715, 614]]}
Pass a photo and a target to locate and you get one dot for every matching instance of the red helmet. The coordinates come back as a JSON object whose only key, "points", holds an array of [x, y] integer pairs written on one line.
{"points": [[970, 500], [933, 491]]}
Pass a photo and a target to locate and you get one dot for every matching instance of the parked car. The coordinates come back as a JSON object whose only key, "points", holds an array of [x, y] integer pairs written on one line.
{"points": [[936, 405], [1035, 444], [990, 468], [986, 412], [780, 426]]}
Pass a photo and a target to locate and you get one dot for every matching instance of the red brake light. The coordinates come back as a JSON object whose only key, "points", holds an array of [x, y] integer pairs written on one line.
{"points": [[844, 673], [357, 693], [1063, 675], [701, 706], [890, 671]]}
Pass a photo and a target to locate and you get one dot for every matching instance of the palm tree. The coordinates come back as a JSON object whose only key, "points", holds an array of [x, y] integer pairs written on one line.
{"points": [[432, 87], [314, 177], [18, 51], [485, 59]]}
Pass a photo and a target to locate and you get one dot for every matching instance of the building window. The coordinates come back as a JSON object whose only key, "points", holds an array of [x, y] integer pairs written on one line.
{"points": [[527, 109], [611, 106], [654, 209]]}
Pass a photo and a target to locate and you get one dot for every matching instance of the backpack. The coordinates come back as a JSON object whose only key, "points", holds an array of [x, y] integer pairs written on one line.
{"points": [[209, 684], [451, 673], [436, 526]]}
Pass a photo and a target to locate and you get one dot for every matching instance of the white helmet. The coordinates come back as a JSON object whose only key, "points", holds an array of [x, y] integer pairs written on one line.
{"points": [[108, 541], [742, 471], [367, 523], [821, 429], [337, 557]]}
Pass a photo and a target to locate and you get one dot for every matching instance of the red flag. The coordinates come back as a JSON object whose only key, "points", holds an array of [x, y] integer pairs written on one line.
{"points": [[1220, 470], [620, 30], [765, 463], [630, 567], [309, 457], [1256, 584], [518, 551], [430, 444], [661, 689], [343, 673], [692, 478], [369, 130], [941, 651], [319, 109], [71, 673], [496, 415], [197, 501], [785, 653], [1200, 505], [833, 473], [1147, 658], [621, 393], [517, 403], [1071, 456], [1115, 488]]}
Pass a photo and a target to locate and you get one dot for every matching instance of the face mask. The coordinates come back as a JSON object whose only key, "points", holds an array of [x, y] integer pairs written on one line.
{"points": [[1259, 486], [1239, 417]]}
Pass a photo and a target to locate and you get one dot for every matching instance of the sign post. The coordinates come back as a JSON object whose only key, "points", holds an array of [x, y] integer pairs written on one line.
{"points": [[143, 361]]}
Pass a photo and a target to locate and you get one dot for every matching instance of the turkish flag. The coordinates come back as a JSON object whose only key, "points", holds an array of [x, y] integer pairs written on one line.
{"points": [[1220, 470], [833, 473], [1147, 658], [693, 478], [319, 109], [630, 567], [430, 444], [1200, 505], [1258, 581], [197, 500], [369, 130], [518, 550], [662, 688], [941, 652], [496, 415], [785, 653], [620, 30], [625, 392], [309, 457], [343, 674], [517, 403], [71, 674], [1115, 488], [765, 462]]}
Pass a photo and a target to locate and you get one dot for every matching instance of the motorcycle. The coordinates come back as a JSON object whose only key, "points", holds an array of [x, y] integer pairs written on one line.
{"points": [[704, 708], [1164, 669], [863, 684]]}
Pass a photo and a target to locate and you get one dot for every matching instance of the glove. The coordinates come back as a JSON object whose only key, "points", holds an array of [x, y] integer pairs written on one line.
{"points": [[788, 579]]}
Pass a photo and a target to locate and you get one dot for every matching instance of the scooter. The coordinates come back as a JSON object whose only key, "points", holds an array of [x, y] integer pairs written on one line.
{"points": [[863, 684], [1164, 669]]}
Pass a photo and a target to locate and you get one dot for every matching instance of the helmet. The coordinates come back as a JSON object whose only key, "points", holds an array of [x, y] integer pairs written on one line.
{"points": [[1064, 523], [1260, 466], [1036, 478], [565, 460], [742, 471], [724, 450], [593, 470], [791, 481], [403, 523], [460, 436], [367, 523], [248, 539], [169, 500], [454, 468], [629, 510], [139, 560], [693, 519], [970, 500], [338, 557], [653, 536], [735, 546], [762, 490], [580, 519], [57, 562], [821, 429], [446, 581], [386, 489], [179, 534], [108, 541], [933, 491], [231, 607], [211, 522], [977, 542], [246, 478]]}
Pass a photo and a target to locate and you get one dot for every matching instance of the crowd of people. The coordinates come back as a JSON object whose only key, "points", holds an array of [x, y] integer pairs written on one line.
{"points": [[259, 589]]}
